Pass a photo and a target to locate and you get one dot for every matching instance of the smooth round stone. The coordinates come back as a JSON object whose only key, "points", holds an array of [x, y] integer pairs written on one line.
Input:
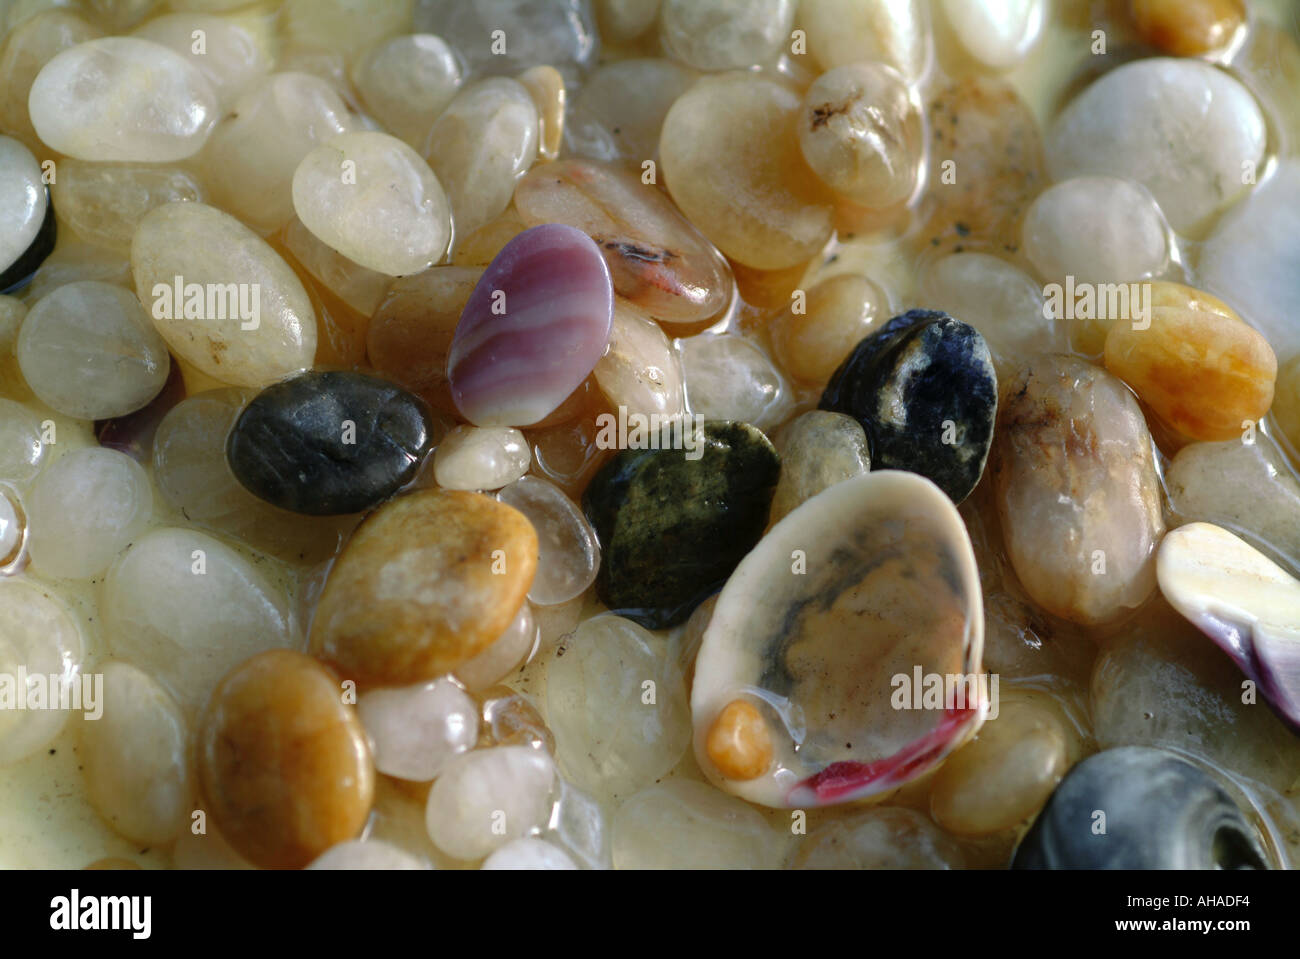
{"points": [[511, 649], [1181, 128], [997, 33], [862, 135], [74, 261], [406, 82], [609, 739], [235, 54], [37, 634], [545, 85], [529, 853], [534, 327], [328, 442], [1077, 490], [849, 31], [104, 202], [428, 581], [488, 797], [26, 213], [415, 731], [125, 99], [481, 458], [28, 47], [1097, 229], [283, 764], [620, 110], [13, 531], [372, 198], [187, 607], [924, 389], [480, 146], [1161, 813], [1188, 28], [657, 260], [688, 825], [134, 758], [212, 249], [729, 378], [833, 318], [640, 372], [724, 34], [672, 528], [817, 449], [732, 164], [560, 33], [88, 350], [85, 509], [891, 837], [568, 554], [365, 855], [22, 453]]}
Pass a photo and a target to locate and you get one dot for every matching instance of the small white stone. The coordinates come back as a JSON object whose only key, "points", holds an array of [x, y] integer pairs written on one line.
{"points": [[529, 853], [233, 53], [406, 82], [11, 530], [640, 372], [416, 730], [487, 797], [729, 378], [620, 110], [21, 451], [36, 634], [27, 47], [361, 288], [568, 552], [481, 458], [689, 825], [724, 34], [997, 33], [366, 855], [23, 200], [849, 31], [104, 202], [507, 652]]}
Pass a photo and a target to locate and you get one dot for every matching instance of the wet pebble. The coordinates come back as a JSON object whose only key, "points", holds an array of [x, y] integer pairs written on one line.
{"points": [[507, 652], [28, 47], [27, 214], [529, 853], [22, 453], [997, 33], [415, 731], [724, 34], [568, 554], [815, 334], [619, 111], [545, 85], [689, 825], [561, 33], [1188, 28], [640, 371], [481, 458], [367, 854], [38, 634], [235, 53], [817, 450], [849, 31], [890, 837], [104, 202], [729, 378], [488, 797], [406, 81]]}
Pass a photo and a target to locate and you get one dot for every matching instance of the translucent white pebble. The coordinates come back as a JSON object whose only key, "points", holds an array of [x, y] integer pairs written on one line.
{"points": [[37, 635], [21, 451], [619, 111], [416, 730], [31, 45], [887, 837], [84, 510], [507, 652], [848, 31], [361, 288], [569, 555], [372, 198], [366, 854], [104, 202], [188, 607], [487, 797], [23, 200], [481, 458], [73, 261], [997, 33], [579, 824], [88, 350], [232, 52], [724, 34], [406, 82], [640, 371], [689, 825], [13, 526], [343, 26], [529, 853], [120, 98], [729, 378], [134, 757]]}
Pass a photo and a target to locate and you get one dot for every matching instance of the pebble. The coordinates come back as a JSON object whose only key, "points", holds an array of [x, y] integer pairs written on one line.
{"points": [[22, 452], [481, 458], [614, 733], [689, 825], [510, 719], [546, 86], [73, 261], [725, 34], [26, 213], [533, 329], [373, 199], [406, 81], [1181, 128], [486, 798], [13, 532], [892, 32], [480, 146], [891, 837], [1286, 402], [125, 99], [862, 135], [624, 20], [1077, 491], [814, 335], [997, 33], [561, 33], [212, 249], [569, 455], [105, 202], [343, 27], [738, 743], [673, 528], [568, 554], [1188, 28], [786, 638], [415, 731], [1097, 229], [40, 636], [29, 46], [1164, 813], [282, 762], [924, 389], [134, 758], [730, 157], [327, 442], [88, 350], [580, 825], [620, 110], [235, 53], [818, 449], [529, 853], [658, 261], [729, 378], [640, 372], [188, 608], [507, 653], [360, 289], [365, 855], [428, 581]]}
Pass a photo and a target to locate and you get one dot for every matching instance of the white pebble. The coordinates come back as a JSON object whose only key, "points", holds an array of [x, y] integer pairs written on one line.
{"points": [[725, 34], [997, 33], [579, 824], [406, 82], [12, 531], [23, 200], [233, 53], [105, 202], [416, 730], [481, 458], [507, 652], [361, 288], [729, 378], [366, 855], [36, 634], [893, 32], [21, 451], [640, 370], [689, 825], [568, 552], [487, 797], [529, 853]]}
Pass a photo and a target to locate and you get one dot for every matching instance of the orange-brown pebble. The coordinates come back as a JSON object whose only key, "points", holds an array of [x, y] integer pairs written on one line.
{"points": [[1188, 28], [113, 862], [427, 582], [738, 742], [283, 762], [836, 315]]}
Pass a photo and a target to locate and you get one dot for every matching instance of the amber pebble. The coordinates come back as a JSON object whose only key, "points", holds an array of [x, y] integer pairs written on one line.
{"points": [[820, 329], [738, 742], [1188, 28], [509, 719], [283, 764], [428, 581]]}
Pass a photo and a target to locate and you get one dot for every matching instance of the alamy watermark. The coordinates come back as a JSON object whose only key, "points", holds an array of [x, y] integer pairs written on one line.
{"points": [[652, 431], [1098, 301], [945, 691], [208, 301], [23, 691]]}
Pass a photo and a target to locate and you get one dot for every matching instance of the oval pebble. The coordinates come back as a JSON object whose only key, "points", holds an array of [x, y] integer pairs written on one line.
{"points": [[236, 52], [1188, 28], [997, 33], [724, 34], [529, 853], [688, 825], [507, 652], [729, 378], [22, 450], [834, 317], [39, 635], [545, 85], [640, 372], [561, 33], [365, 855], [104, 202], [406, 81], [415, 731], [568, 554], [848, 31], [817, 449], [26, 212], [620, 110], [481, 458], [486, 798], [30, 45]]}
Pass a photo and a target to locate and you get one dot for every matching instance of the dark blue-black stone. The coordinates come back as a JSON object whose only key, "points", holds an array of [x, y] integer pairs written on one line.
{"points": [[924, 390], [16, 275], [329, 442], [672, 529], [1160, 812]]}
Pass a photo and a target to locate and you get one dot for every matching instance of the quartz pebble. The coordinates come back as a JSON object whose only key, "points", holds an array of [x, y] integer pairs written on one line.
{"points": [[12, 313], [367, 854], [213, 253], [373, 199], [819, 330], [612, 736], [74, 261], [533, 329], [1077, 490], [849, 31], [624, 20], [282, 762], [29, 46], [428, 581], [25, 210], [568, 554], [481, 458], [640, 372], [89, 350], [724, 34], [890, 837], [561, 33], [38, 634], [997, 33], [689, 825], [343, 27], [13, 532], [415, 731], [529, 853], [361, 289], [234, 53], [581, 826], [729, 378], [546, 86], [22, 451], [406, 81], [620, 110], [121, 98], [104, 202], [1188, 28], [134, 757], [488, 797], [817, 449], [509, 718], [512, 648]]}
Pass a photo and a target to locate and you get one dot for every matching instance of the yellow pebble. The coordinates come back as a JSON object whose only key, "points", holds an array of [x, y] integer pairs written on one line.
{"points": [[738, 742], [1188, 28], [837, 314]]}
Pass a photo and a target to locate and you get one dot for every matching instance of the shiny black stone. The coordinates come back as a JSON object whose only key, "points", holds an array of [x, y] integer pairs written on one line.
{"points": [[19, 273]]}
